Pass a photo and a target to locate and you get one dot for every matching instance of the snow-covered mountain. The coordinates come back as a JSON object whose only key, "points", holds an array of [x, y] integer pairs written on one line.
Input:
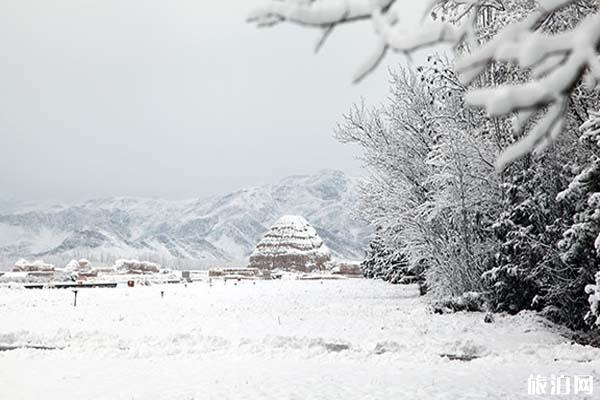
{"points": [[217, 230]]}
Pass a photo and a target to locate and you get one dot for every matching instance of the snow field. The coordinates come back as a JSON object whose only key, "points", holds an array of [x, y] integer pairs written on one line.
{"points": [[352, 339]]}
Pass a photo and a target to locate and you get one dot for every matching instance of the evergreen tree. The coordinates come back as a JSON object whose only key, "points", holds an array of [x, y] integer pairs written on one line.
{"points": [[580, 246], [527, 230], [387, 262]]}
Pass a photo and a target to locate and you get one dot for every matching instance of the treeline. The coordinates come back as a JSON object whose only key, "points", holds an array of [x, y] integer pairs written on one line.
{"points": [[523, 238]]}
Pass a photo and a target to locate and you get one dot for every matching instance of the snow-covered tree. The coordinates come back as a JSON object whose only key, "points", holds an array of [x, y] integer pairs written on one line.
{"points": [[583, 238], [580, 246], [529, 271], [462, 208], [528, 230], [556, 59], [593, 316], [396, 140], [433, 188]]}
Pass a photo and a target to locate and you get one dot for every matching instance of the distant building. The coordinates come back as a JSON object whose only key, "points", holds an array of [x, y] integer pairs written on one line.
{"points": [[228, 272], [37, 266], [291, 244], [137, 267]]}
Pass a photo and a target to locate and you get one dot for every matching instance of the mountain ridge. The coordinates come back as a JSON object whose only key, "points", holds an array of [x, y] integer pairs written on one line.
{"points": [[220, 229]]}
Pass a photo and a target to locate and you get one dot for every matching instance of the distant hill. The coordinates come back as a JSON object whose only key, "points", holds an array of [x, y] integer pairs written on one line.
{"points": [[214, 231]]}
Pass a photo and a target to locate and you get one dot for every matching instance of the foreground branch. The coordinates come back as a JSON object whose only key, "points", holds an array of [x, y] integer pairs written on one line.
{"points": [[557, 62]]}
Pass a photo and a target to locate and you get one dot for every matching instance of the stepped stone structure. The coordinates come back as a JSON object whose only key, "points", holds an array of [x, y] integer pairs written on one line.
{"points": [[291, 244]]}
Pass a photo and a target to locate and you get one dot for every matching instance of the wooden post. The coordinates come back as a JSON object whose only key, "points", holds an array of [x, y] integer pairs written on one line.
{"points": [[75, 299]]}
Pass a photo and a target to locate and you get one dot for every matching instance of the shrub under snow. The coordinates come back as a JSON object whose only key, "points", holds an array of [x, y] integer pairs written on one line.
{"points": [[469, 301]]}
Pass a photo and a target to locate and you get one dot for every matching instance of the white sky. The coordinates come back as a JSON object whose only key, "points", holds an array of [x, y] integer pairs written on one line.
{"points": [[169, 98]]}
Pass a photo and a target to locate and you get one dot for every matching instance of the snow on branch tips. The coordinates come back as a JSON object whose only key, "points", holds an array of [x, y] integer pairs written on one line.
{"points": [[556, 62], [593, 316]]}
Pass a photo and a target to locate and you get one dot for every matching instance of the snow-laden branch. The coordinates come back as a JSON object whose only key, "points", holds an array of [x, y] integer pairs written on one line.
{"points": [[557, 62], [315, 13]]}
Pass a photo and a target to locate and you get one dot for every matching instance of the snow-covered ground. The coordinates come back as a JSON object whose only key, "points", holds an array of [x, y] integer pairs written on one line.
{"points": [[351, 339]]}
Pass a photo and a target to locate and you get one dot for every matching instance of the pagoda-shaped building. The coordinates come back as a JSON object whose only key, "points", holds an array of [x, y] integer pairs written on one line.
{"points": [[291, 244]]}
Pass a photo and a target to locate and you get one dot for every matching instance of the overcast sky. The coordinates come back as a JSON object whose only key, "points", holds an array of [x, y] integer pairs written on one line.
{"points": [[169, 98]]}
